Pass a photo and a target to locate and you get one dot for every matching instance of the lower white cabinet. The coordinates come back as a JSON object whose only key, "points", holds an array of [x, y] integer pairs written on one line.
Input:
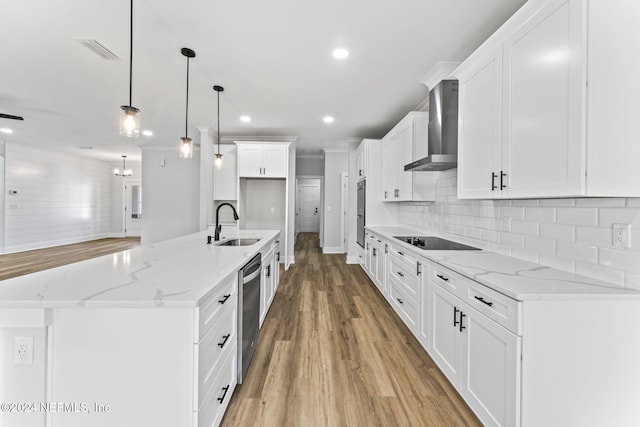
{"points": [[270, 277]]}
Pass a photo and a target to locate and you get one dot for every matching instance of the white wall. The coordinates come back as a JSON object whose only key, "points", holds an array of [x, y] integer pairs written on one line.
{"points": [[336, 162], [61, 198], [313, 166], [171, 194], [574, 235], [116, 208]]}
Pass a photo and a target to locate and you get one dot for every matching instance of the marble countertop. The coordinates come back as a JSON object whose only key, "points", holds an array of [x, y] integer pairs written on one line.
{"points": [[518, 279], [174, 273]]}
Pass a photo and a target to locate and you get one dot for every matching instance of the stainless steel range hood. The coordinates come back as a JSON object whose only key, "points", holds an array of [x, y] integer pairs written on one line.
{"points": [[443, 129]]}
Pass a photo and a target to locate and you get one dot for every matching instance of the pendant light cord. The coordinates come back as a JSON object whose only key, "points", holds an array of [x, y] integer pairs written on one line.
{"points": [[131, 54], [218, 122], [186, 118]]}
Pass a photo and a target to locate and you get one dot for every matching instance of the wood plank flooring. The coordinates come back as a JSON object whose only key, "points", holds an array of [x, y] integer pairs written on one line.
{"points": [[333, 353], [20, 263]]}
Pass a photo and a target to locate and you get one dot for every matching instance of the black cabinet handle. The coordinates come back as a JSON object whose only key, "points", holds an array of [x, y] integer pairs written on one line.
{"points": [[224, 393], [455, 316], [446, 279], [502, 184], [418, 269], [374, 252], [493, 181], [400, 301], [400, 253], [462, 315], [400, 274], [224, 341], [278, 257], [385, 194], [482, 300], [386, 248], [268, 270], [224, 299]]}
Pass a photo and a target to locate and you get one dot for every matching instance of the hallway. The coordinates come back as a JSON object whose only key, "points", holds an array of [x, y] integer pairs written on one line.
{"points": [[333, 353]]}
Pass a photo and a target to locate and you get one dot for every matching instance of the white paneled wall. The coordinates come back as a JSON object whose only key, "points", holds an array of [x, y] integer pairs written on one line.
{"points": [[60, 198], [569, 234]]}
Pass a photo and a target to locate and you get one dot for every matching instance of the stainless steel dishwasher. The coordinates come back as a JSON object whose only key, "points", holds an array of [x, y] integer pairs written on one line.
{"points": [[248, 312]]}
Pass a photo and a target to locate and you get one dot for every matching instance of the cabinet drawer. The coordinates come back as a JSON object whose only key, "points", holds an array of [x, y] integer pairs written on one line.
{"points": [[500, 308], [404, 303], [221, 297], [402, 272], [449, 280], [221, 336], [217, 397]]}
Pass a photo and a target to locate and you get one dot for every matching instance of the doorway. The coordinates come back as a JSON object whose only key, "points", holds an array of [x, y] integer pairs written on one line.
{"points": [[132, 208], [308, 205]]}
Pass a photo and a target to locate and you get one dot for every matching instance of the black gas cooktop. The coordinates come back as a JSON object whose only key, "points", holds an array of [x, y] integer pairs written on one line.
{"points": [[431, 243]]}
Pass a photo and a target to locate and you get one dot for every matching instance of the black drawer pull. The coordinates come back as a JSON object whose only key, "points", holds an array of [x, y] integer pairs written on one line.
{"points": [[455, 316], [225, 390], [400, 274], [446, 279], [502, 184], [461, 316], [400, 253], [400, 301], [224, 299], [224, 341], [482, 300], [493, 181]]}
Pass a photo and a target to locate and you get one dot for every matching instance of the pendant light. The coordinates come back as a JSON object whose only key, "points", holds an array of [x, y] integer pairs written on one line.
{"points": [[125, 171], [186, 145], [218, 160], [130, 119]]}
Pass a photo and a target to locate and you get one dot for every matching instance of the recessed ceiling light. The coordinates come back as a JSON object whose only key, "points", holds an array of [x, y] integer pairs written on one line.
{"points": [[6, 130], [147, 133], [340, 53], [86, 147], [245, 119], [328, 119]]}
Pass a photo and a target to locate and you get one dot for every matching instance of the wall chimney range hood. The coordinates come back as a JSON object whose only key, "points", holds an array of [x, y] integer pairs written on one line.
{"points": [[443, 129]]}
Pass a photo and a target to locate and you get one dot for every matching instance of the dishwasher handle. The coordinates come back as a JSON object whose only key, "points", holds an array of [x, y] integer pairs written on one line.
{"points": [[250, 277]]}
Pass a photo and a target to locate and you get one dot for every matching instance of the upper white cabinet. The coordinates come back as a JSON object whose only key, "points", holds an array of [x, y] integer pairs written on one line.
{"points": [[406, 142], [262, 160], [538, 114], [225, 178], [362, 160]]}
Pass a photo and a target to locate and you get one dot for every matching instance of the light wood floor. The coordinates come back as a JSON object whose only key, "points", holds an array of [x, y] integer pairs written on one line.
{"points": [[333, 353], [20, 263]]}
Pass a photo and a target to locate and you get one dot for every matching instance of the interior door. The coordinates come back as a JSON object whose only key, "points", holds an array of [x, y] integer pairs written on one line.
{"points": [[132, 208], [309, 204]]}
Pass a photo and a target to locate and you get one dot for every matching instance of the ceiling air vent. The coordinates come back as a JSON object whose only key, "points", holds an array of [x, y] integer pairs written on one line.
{"points": [[98, 49]]}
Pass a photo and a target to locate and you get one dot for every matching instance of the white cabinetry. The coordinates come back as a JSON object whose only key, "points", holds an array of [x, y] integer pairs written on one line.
{"points": [[262, 160], [406, 142], [225, 178], [362, 160], [480, 357], [269, 279], [524, 95]]}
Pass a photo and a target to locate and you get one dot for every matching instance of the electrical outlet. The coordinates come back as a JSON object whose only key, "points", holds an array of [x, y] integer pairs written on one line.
{"points": [[621, 235], [23, 350]]}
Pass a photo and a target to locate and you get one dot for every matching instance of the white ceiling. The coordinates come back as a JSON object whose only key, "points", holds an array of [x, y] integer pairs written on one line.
{"points": [[272, 57]]}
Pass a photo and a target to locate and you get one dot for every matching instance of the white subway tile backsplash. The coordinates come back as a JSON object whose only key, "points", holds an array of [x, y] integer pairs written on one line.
{"points": [[577, 216], [577, 252], [540, 214], [571, 234], [524, 227], [609, 216], [620, 260], [540, 245], [511, 240], [596, 236], [557, 231]]}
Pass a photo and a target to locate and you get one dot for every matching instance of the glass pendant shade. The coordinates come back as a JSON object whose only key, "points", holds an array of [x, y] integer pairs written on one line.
{"points": [[218, 160], [130, 121], [186, 148]]}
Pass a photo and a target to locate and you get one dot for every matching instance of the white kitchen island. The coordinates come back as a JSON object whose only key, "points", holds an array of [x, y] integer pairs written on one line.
{"points": [[143, 337]]}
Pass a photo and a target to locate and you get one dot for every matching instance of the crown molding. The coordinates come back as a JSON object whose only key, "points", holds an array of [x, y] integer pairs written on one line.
{"points": [[441, 71], [230, 139]]}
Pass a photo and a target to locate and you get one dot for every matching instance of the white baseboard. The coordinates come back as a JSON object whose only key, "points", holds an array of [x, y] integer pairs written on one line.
{"points": [[332, 250], [116, 235], [51, 243], [352, 260]]}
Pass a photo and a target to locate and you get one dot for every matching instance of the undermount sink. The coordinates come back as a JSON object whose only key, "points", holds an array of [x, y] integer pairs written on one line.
{"points": [[239, 242]]}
